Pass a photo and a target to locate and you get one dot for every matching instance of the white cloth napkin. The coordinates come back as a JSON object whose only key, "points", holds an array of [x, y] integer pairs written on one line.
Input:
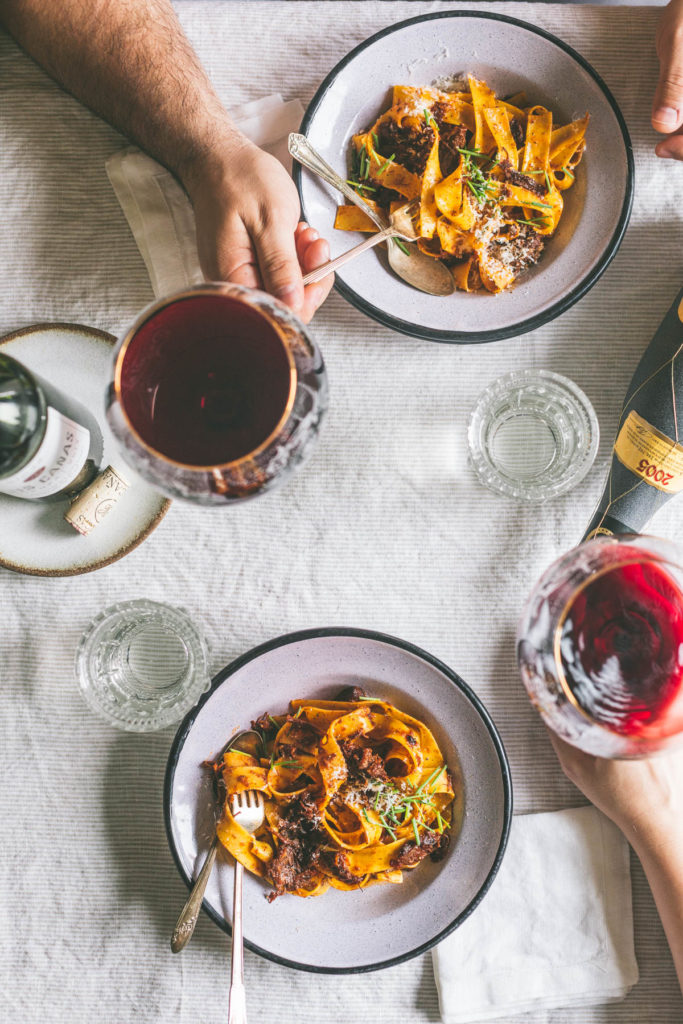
{"points": [[555, 930], [157, 209]]}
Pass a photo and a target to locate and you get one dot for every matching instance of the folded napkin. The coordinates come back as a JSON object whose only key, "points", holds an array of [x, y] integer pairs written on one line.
{"points": [[157, 209], [555, 930]]}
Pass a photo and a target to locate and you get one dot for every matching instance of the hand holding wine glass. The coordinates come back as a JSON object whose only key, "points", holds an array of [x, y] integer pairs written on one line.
{"points": [[248, 230], [644, 798]]}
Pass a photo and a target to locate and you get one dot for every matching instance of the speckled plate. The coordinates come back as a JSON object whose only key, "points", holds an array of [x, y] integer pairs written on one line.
{"points": [[34, 537], [510, 56], [344, 932]]}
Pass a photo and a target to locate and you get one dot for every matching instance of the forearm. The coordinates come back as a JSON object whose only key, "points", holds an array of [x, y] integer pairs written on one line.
{"points": [[663, 865], [130, 62]]}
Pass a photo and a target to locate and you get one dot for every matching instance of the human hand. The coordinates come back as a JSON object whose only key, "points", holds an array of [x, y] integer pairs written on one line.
{"points": [[248, 230], [644, 798], [667, 108]]}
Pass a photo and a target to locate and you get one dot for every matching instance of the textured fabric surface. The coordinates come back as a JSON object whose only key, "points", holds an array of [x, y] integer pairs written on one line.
{"points": [[384, 529]]}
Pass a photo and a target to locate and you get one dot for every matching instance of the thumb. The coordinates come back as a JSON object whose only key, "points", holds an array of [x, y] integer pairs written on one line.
{"points": [[278, 263], [667, 109]]}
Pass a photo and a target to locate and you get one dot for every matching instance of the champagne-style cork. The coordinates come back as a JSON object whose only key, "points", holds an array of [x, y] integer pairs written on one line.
{"points": [[96, 501]]}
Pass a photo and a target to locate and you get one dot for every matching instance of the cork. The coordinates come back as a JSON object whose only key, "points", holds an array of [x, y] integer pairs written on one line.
{"points": [[96, 501]]}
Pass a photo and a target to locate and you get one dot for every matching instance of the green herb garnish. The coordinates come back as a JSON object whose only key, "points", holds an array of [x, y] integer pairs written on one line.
{"points": [[429, 119], [364, 163], [386, 164], [433, 778], [358, 184], [387, 826], [481, 187], [547, 181], [416, 834], [402, 247], [441, 823]]}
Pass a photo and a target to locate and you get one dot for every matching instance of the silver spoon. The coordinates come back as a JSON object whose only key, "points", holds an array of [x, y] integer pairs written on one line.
{"points": [[187, 920], [417, 269]]}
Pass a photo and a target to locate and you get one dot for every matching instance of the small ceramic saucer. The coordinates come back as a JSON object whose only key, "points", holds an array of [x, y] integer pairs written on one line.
{"points": [[34, 537]]}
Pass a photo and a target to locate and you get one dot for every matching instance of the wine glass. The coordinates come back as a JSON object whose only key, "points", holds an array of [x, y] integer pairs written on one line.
{"points": [[600, 646], [216, 393]]}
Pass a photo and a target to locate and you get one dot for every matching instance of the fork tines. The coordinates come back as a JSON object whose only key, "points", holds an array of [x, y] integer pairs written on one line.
{"points": [[248, 798]]}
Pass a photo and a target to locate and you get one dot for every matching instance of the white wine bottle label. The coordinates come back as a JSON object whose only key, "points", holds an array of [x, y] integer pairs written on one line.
{"points": [[58, 461], [650, 454]]}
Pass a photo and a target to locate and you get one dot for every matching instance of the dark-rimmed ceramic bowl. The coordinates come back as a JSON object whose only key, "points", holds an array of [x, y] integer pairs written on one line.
{"points": [[345, 932], [510, 55]]}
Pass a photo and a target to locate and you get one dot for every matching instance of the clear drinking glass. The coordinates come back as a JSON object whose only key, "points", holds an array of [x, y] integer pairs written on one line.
{"points": [[216, 394], [142, 665], [600, 646], [533, 435]]}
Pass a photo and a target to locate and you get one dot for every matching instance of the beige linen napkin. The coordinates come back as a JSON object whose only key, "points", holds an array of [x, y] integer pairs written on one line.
{"points": [[157, 209], [556, 929]]}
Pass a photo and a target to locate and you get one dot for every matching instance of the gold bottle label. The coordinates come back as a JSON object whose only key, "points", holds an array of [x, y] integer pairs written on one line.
{"points": [[650, 454], [600, 531]]}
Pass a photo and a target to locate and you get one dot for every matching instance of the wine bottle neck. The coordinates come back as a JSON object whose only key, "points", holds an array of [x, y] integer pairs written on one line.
{"points": [[602, 525]]}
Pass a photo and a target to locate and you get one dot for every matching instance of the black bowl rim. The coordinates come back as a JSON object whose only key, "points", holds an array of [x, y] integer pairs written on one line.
{"points": [[453, 677], [562, 304]]}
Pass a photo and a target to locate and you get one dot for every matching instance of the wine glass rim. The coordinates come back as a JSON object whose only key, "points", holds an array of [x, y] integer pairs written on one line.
{"points": [[557, 633], [208, 288]]}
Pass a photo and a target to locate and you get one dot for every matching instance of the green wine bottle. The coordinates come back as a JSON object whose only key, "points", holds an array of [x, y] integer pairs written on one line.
{"points": [[50, 445], [647, 459]]}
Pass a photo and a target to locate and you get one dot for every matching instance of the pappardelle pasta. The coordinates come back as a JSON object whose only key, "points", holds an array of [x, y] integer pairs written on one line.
{"points": [[489, 174], [356, 792]]}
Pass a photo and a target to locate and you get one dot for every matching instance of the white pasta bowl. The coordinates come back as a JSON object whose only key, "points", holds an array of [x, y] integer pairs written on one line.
{"points": [[343, 932], [510, 56]]}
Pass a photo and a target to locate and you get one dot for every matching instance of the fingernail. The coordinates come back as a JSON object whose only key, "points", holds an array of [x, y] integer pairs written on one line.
{"points": [[665, 151], [667, 116]]}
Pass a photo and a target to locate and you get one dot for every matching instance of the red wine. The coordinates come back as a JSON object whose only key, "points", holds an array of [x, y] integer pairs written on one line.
{"points": [[621, 649], [206, 380]]}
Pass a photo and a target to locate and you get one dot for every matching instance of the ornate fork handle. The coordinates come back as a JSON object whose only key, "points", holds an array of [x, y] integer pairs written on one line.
{"points": [[188, 915], [350, 254], [301, 149]]}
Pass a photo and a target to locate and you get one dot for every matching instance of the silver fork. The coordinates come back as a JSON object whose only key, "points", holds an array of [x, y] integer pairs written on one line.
{"points": [[248, 811], [400, 226]]}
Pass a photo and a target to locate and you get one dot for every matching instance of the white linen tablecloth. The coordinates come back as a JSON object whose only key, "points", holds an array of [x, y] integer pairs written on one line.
{"points": [[384, 529]]}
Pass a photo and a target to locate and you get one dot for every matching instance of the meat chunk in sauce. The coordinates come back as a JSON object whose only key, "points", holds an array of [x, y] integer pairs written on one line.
{"points": [[351, 693], [432, 844]]}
